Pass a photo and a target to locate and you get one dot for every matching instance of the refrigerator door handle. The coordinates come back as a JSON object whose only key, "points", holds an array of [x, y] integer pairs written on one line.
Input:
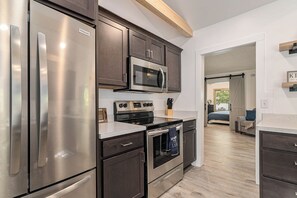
{"points": [[42, 105], [16, 100], [70, 188]]}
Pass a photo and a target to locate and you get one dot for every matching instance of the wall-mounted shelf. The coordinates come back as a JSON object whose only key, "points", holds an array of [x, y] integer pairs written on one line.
{"points": [[286, 46], [292, 86]]}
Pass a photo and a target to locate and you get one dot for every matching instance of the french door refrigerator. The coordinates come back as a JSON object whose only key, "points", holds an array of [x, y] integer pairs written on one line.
{"points": [[47, 107]]}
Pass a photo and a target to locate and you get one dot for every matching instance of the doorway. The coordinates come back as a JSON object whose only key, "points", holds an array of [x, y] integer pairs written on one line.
{"points": [[259, 39]]}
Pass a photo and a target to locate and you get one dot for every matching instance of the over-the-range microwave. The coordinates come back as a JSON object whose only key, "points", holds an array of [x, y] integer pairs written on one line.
{"points": [[145, 76]]}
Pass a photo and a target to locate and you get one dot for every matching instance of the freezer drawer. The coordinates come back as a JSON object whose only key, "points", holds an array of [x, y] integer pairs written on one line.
{"points": [[81, 186]]}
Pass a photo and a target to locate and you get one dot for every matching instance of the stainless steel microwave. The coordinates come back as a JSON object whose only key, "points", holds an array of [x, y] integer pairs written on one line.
{"points": [[147, 76]]}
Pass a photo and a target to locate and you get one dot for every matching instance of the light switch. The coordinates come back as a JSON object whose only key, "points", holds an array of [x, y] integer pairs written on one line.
{"points": [[264, 104]]}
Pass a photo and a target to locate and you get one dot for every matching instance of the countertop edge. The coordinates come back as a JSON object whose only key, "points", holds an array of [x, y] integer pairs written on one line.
{"points": [[119, 132], [277, 129]]}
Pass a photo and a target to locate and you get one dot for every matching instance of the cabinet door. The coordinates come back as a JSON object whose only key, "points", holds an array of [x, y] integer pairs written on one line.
{"points": [[139, 45], [112, 53], [156, 51], [173, 62], [83, 7], [189, 147], [123, 175]]}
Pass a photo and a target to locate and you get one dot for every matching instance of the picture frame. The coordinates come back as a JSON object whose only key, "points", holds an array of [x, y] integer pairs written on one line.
{"points": [[292, 76]]}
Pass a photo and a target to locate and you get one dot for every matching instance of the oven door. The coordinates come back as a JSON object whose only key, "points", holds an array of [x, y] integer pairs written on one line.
{"points": [[147, 76], [159, 157]]}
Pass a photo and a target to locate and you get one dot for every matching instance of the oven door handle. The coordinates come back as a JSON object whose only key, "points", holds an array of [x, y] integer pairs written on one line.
{"points": [[159, 132]]}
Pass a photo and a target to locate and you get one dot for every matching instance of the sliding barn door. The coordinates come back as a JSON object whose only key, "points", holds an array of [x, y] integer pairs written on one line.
{"points": [[237, 99]]}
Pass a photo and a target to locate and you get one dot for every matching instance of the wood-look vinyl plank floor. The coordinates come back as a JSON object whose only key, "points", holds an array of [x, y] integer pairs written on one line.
{"points": [[229, 169]]}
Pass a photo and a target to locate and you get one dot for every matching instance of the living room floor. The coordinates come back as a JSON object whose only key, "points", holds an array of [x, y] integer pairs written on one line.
{"points": [[229, 169]]}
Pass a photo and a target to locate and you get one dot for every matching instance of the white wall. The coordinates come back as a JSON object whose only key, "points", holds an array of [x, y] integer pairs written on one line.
{"points": [[250, 86], [276, 23]]}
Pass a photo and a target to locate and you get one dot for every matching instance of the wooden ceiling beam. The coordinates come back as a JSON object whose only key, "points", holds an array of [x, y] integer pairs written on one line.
{"points": [[161, 9]]}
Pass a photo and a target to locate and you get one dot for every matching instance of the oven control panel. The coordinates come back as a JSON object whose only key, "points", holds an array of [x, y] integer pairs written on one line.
{"points": [[133, 106]]}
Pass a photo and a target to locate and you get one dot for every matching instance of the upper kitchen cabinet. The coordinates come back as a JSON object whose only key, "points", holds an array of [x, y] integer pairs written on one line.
{"points": [[86, 8], [173, 62], [145, 47], [112, 53]]}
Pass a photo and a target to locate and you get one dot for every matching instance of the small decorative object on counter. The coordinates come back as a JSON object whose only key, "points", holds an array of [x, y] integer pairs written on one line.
{"points": [[102, 115], [169, 110]]}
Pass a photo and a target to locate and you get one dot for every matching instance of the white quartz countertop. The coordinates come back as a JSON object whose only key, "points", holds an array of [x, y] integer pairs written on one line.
{"points": [[183, 115], [113, 129], [278, 123]]}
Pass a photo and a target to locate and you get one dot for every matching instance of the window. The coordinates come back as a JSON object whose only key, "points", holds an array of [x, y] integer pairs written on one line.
{"points": [[221, 99]]}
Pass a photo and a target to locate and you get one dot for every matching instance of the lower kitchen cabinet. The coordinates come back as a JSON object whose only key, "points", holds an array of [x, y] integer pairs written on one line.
{"points": [[278, 154], [189, 142], [121, 168], [123, 175]]}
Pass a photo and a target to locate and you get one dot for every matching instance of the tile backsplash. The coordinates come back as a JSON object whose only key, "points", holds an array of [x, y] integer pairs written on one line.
{"points": [[107, 97]]}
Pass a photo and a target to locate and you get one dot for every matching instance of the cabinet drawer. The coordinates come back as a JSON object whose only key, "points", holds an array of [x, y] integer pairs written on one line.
{"points": [[284, 142], [279, 165], [271, 188], [121, 144], [189, 125]]}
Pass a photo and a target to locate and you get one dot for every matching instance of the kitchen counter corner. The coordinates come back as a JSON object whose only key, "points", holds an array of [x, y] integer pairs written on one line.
{"points": [[183, 115], [278, 123], [113, 129]]}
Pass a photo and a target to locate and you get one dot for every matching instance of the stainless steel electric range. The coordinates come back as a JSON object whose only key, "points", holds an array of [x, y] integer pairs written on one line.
{"points": [[164, 169]]}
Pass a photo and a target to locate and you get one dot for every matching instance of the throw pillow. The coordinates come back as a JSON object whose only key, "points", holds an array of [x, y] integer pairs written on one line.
{"points": [[250, 115]]}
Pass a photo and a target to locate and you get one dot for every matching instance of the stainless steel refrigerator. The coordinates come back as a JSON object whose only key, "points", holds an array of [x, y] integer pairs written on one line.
{"points": [[47, 103]]}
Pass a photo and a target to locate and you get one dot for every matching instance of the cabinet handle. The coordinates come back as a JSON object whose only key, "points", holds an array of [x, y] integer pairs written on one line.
{"points": [[148, 53], [152, 54], [295, 163], [142, 156], [296, 193], [128, 144], [295, 144], [191, 126]]}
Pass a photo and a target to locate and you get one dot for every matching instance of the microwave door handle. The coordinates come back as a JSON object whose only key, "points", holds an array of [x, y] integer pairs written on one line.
{"points": [[15, 122], [43, 100], [163, 79]]}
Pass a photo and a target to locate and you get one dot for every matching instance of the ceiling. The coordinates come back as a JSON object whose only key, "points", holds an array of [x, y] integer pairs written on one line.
{"points": [[202, 13], [231, 60]]}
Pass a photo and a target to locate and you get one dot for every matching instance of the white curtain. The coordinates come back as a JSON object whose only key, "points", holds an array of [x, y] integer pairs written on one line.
{"points": [[237, 99]]}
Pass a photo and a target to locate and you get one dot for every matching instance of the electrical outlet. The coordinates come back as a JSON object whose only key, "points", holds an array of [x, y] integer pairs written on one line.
{"points": [[264, 104]]}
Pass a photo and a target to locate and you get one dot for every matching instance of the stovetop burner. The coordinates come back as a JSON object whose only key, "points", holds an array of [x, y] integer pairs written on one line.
{"points": [[154, 122]]}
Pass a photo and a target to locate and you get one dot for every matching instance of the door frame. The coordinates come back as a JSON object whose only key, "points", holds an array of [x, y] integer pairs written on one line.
{"points": [[261, 77]]}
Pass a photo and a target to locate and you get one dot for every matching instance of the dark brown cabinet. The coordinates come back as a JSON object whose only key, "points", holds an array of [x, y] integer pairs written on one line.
{"points": [[124, 175], [145, 47], [85, 8], [112, 53], [173, 62], [120, 167], [278, 165], [189, 138]]}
